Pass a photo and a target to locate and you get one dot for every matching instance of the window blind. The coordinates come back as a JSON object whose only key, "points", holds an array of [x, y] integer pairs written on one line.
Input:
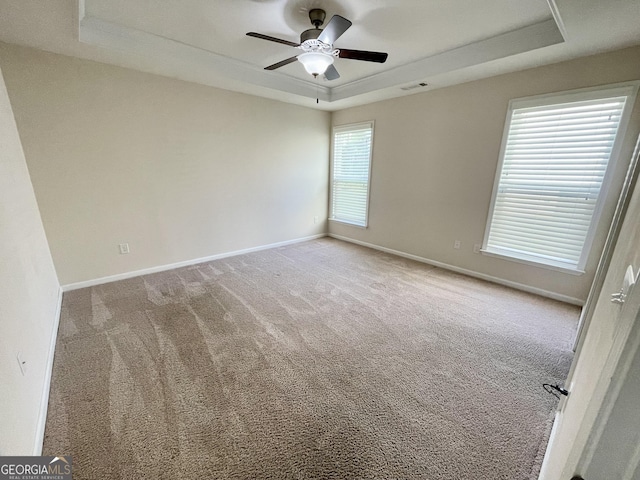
{"points": [[350, 177], [553, 166]]}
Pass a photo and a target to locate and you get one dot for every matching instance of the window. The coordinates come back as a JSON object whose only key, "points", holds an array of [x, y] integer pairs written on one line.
{"points": [[350, 173], [553, 165]]}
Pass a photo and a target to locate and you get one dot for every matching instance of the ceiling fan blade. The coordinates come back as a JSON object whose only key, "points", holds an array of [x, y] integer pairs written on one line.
{"points": [[281, 64], [331, 73], [273, 39], [334, 29], [363, 55]]}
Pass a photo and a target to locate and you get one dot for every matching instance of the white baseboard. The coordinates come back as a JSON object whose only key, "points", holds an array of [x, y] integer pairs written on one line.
{"points": [[470, 273], [46, 387], [186, 263]]}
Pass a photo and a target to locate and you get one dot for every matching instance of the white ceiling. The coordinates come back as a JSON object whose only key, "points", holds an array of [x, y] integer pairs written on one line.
{"points": [[439, 42]]}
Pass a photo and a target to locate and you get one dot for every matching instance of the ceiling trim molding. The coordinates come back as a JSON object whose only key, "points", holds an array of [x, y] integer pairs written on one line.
{"points": [[522, 40], [218, 69], [80, 13], [553, 6], [98, 32]]}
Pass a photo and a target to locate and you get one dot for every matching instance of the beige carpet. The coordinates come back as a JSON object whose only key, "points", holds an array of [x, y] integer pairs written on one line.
{"points": [[318, 360]]}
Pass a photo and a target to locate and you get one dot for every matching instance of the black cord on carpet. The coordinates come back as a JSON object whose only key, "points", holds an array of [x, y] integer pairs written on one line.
{"points": [[550, 389]]}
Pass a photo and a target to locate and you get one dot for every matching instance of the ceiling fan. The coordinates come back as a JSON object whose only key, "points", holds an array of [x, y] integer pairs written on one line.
{"points": [[317, 46]]}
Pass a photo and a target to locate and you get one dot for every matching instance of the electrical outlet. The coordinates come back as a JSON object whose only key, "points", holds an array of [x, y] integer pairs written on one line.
{"points": [[456, 244], [22, 362], [124, 248], [476, 248], [315, 219]]}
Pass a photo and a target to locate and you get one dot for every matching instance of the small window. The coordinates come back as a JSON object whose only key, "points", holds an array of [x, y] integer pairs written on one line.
{"points": [[554, 161], [351, 169]]}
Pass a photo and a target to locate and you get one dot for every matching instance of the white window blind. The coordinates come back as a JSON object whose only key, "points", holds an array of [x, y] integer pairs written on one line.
{"points": [[553, 166], [350, 173]]}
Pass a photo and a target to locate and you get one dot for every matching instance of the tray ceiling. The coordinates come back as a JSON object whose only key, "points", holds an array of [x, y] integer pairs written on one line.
{"points": [[437, 43]]}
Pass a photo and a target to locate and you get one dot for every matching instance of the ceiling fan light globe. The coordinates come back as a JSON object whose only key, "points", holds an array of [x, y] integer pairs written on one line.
{"points": [[315, 63]]}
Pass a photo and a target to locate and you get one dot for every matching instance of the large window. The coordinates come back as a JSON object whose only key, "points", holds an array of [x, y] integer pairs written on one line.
{"points": [[553, 169], [350, 172]]}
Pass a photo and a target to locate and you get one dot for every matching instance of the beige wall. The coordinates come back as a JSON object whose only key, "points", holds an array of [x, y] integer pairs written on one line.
{"points": [[28, 297], [179, 171], [434, 161]]}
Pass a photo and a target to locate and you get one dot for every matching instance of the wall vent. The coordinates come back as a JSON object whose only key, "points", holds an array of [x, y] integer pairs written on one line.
{"points": [[417, 85]]}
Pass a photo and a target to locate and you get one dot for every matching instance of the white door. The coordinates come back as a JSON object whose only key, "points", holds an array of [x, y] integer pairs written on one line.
{"points": [[613, 451], [596, 434]]}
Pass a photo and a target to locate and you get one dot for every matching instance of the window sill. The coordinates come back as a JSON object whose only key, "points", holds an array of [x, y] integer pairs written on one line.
{"points": [[344, 222], [534, 263]]}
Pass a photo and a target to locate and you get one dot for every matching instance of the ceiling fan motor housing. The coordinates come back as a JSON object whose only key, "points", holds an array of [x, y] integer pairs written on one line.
{"points": [[311, 34]]}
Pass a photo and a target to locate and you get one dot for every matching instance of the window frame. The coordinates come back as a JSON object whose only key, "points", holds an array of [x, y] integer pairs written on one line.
{"points": [[347, 127], [628, 89]]}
